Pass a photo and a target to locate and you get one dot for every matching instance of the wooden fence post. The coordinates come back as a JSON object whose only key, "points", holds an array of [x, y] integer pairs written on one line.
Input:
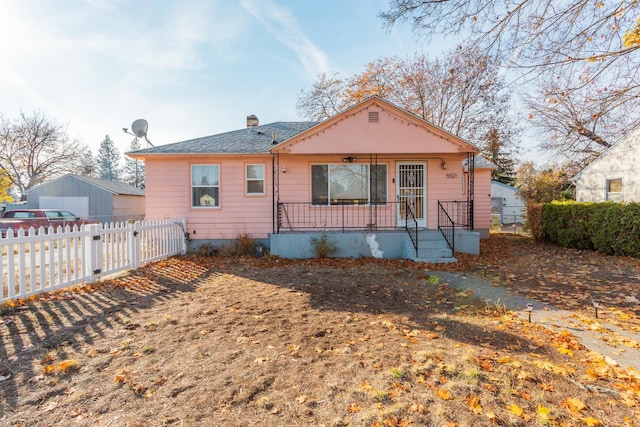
{"points": [[134, 241], [92, 246]]}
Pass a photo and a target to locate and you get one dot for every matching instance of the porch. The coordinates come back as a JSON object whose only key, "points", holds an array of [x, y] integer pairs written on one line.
{"points": [[393, 230]]}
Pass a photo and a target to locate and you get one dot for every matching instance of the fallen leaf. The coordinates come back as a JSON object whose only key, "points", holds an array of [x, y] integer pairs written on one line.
{"points": [[515, 410], [354, 407], [473, 403], [417, 407], [443, 394], [544, 415], [591, 422], [574, 405], [546, 387]]}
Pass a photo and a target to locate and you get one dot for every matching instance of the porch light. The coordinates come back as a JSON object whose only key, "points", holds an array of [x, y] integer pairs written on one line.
{"points": [[349, 159], [284, 169], [443, 165]]}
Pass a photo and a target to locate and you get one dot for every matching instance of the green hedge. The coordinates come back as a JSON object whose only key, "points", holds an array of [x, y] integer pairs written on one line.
{"points": [[610, 228], [534, 221]]}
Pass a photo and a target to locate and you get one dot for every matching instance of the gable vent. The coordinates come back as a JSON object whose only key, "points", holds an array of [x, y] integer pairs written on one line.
{"points": [[374, 116]]}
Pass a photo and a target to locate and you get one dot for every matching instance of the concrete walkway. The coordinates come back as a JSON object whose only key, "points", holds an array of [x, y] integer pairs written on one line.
{"points": [[549, 316]]}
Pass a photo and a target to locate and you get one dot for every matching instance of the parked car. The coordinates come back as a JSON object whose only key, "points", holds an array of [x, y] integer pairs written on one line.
{"points": [[36, 218]]}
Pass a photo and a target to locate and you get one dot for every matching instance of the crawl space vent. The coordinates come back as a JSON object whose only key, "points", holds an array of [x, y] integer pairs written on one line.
{"points": [[374, 116]]}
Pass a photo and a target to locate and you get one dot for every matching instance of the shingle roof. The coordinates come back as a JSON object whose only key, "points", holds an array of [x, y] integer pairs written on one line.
{"points": [[481, 162], [120, 188], [257, 139]]}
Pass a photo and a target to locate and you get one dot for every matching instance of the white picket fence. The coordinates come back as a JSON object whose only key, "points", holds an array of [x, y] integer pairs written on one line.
{"points": [[43, 260]]}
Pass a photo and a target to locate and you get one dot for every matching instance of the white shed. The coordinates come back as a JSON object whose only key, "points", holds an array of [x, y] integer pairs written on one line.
{"points": [[507, 206], [615, 175]]}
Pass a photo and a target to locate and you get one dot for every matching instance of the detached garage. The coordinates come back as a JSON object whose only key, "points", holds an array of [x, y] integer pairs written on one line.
{"points": [[90, 198]]}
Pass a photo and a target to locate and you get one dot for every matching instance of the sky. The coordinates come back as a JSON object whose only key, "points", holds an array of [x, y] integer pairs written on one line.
{"points": [[191, 68]]}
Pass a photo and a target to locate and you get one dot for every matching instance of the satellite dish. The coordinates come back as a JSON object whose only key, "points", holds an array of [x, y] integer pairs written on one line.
{"points": [[139, 128]]}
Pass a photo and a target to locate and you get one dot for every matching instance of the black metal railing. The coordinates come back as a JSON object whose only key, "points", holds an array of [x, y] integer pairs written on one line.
{"points": [[447, 227], [411, 225], [460, 212], [307, 216]]}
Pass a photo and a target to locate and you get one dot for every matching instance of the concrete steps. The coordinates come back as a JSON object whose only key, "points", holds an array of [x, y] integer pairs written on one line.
{"points": [[432, 248]]}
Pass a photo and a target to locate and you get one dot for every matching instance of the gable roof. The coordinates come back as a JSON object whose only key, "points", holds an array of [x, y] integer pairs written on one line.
{"points": [[505, 186], [253, 140], [634, 134], [116, 188], [259, 139], [393, 110], [481, 162]]}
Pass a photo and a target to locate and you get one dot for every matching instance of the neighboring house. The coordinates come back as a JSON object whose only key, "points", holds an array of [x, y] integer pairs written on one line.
{"points": [[615, 175], [375, 177], [507, 206], [91, 198]]}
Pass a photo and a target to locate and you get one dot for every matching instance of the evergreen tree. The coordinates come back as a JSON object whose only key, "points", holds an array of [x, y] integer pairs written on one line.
{"points": [[88, 165], [108, 160], [501, 155], [134, 169]]}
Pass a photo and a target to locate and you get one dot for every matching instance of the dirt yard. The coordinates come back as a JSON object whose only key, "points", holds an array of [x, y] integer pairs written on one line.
{"points": [[215, 341]]}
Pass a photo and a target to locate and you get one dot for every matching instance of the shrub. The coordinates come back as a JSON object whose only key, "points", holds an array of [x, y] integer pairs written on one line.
{"points": [[534, 221], [207, 249], [610, 228], [243, 245], [322, 247]]}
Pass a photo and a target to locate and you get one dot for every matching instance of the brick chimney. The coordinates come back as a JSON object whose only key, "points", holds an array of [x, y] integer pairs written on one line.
{"points": [[252, 121]]}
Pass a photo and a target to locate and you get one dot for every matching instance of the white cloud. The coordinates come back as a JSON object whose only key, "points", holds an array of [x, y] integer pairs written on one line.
{"points": [[280, 22]]}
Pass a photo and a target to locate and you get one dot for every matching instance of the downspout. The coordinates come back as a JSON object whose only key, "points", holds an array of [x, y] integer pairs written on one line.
{"points": [[471, 162], [273, 193], [274, 188]]}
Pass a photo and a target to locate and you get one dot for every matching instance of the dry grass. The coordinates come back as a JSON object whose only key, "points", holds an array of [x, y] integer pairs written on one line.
{"points": [[244, 342]]}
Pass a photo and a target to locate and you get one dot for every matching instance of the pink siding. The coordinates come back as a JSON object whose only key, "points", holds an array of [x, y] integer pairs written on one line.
{"points": [[392, 135], [482, 197], [168, 195], [447, 184], [394, 132]]}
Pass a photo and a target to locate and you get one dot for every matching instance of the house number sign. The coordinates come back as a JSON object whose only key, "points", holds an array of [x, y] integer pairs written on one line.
{"points": [[452, 175]]}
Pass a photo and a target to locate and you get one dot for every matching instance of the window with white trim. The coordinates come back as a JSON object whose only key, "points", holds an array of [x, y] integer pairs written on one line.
{"points": [[348, 184], [255, 179], [614, 189], [205, 186]]}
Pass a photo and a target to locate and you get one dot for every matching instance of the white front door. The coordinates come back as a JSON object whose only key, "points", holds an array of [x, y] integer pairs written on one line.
{"points": [[411, 186]]}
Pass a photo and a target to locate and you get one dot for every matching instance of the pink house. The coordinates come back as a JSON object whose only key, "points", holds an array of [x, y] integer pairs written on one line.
{"points": [[375, 179]]}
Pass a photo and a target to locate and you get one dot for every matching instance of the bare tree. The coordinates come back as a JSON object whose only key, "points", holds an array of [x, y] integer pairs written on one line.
{"points": [[462, 93], [535, 33], [382, 77], [583, 52], [34, 149], [581, 123], [323, 100]]}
